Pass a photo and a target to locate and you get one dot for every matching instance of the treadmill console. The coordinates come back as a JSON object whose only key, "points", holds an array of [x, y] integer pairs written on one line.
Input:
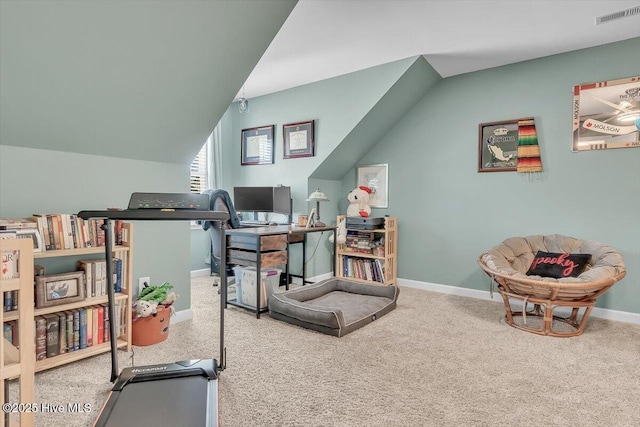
{"points": [[169, 201]]}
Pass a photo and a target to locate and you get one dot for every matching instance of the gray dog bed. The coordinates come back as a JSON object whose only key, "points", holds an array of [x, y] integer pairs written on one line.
{"points": [[333, 306]]}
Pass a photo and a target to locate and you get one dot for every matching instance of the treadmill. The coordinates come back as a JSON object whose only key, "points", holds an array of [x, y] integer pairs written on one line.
{"points": [[175, 393]]}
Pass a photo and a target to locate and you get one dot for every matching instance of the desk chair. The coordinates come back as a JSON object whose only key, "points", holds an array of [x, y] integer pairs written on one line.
{"points": [[219, 200]]}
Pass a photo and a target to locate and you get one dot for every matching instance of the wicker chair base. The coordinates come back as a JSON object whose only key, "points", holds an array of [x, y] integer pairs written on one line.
{"points": [[544, 321]]}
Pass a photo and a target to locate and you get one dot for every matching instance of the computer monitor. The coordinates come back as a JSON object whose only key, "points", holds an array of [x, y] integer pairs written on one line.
{"points": [[282, 202], [253, 199]]}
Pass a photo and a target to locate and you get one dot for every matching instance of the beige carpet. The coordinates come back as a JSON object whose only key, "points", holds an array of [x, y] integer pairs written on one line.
{"points": [[437, 360]]}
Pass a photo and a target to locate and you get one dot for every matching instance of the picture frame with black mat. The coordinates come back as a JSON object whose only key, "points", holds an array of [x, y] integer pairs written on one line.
{"points": [[257, 146], [298, 139]]}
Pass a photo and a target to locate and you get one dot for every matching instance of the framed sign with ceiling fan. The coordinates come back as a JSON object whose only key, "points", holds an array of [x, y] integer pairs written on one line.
{"points": [[606, 115]]}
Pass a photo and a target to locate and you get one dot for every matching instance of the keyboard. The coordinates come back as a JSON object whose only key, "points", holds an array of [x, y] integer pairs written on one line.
{"points": [[253, 222]]}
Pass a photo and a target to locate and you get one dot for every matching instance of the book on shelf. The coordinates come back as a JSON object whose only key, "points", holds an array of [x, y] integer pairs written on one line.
{"points": [[88, 267], [17, 224], [76, 329], [8, 301], [62, 332], [107, 320], [101, 310], [89, 326], [8, 234], [117, 275], [41, 338], [363, 268], [82, 312], [70, 342], [69, 231], [10, 264], [53, 338], [94, 325]]}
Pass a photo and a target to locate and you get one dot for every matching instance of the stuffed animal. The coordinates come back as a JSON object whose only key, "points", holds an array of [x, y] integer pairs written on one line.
{"points": [[146, 308], [170, 299], [156, 294], [168, 302], [358, 206]]}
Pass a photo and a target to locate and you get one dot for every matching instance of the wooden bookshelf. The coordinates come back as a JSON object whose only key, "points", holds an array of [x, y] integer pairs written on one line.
{"points": [[353, 262], [125, 253], [19, 362]]}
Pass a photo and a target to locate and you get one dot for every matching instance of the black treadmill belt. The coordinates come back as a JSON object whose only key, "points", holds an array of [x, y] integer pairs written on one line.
{"points": [[166, 402]]}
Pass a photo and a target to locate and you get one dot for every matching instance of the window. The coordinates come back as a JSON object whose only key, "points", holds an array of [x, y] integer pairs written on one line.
{"points": [[200, 171]]}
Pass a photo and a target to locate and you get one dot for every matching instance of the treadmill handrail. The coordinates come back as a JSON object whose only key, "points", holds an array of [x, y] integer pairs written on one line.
{"points": [[219, 217]]}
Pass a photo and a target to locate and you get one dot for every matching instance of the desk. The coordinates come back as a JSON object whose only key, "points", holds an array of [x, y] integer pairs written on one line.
{"points": [[263, 247]]}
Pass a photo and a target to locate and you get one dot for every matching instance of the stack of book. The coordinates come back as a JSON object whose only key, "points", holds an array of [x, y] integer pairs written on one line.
{"points": [[73, 330], [96, 276], [68, 231], [360, 242], [363, 268], [59, 231]]}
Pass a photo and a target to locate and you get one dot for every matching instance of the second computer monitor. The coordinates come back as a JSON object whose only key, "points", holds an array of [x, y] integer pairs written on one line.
{"points": [[282, 202]]}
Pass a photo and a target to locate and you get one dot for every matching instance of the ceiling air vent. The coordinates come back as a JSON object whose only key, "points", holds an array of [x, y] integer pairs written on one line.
{"points": [[618, 15]]}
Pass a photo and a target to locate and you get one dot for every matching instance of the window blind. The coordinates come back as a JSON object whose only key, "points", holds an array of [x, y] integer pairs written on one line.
{"points": [[199, 171]]}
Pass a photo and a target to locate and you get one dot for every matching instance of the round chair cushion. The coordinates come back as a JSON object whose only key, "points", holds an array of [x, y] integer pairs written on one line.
{"points": [[514, 256]]}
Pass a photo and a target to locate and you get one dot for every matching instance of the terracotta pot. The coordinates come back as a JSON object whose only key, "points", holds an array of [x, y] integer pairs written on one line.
{"points": [[152, 329]]}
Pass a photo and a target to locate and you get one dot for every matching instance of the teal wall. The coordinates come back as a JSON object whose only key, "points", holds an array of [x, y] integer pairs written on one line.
{"points": [[448, 213], [199, 249], [44, 181]]}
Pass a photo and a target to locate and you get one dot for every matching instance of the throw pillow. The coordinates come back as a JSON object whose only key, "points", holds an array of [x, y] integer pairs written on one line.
{"points": [[557, 265]]}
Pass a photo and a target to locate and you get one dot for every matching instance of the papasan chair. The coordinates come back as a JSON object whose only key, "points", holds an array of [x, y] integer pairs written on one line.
{"points": [[551, 272]]}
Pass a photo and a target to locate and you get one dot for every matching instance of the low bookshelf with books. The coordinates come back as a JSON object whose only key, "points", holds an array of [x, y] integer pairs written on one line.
{"points": [[70, 315], [369, 255]]}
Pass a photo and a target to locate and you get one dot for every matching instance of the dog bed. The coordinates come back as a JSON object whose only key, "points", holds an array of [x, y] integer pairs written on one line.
{"points": [[333, 306]]}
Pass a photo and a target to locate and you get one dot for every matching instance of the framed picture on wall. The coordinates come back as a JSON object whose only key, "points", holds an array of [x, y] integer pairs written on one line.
{"points": [[257, 146], [498, 146], [606, 115], [376, 177], [298, 140]]}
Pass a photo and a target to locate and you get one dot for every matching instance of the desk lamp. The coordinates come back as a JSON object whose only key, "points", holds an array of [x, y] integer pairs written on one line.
{"points": [[314, 217]]}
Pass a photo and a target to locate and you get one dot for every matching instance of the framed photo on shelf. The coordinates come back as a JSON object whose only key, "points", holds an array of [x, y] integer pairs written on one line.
{"points": [[56, 289], [257, 146], [34, 235], [298, 139], [376, 177], [604, 115], [498, 146]]}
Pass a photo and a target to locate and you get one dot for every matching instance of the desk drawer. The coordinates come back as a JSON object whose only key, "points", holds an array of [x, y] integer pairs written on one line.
{"points": [[296, 238], [250, 243], [267, 259]]}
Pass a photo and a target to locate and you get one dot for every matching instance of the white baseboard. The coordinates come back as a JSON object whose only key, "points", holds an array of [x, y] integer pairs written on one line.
{"points": [[181, 316], [603, 313], [200, 273], [320, 277]]}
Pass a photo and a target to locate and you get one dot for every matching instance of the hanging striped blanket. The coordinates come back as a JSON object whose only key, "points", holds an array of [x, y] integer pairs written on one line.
{"points": [[528, 149]]}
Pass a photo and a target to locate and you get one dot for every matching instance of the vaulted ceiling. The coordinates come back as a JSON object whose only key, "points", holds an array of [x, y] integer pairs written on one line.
{"points": [[149, 80]]}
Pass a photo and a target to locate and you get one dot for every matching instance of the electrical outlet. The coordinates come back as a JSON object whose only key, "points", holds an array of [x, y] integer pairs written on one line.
{"points": [[141, 283]]}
